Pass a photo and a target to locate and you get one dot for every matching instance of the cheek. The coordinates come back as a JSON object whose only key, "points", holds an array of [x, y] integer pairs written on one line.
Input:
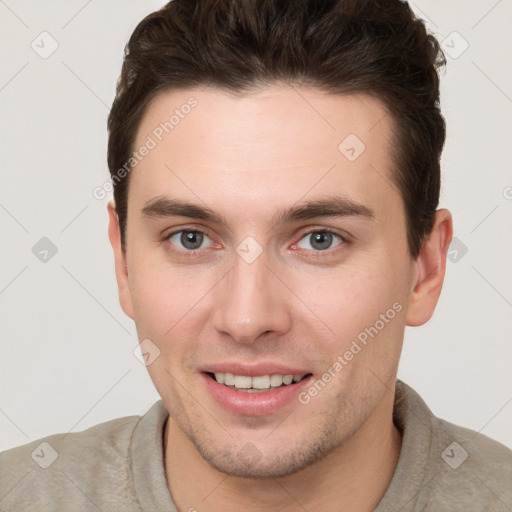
{"points": [[350, 297], [158, 297], [167, 298], [363, 307]]}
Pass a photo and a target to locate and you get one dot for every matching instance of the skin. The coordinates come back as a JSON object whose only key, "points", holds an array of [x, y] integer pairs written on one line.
{"points": [[248, 157]]}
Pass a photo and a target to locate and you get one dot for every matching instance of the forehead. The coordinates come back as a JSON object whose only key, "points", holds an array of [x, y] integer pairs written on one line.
{"points": [[275, 145]]}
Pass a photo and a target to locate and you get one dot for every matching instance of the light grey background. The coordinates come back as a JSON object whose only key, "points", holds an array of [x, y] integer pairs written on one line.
{"points": [[67, 348]]}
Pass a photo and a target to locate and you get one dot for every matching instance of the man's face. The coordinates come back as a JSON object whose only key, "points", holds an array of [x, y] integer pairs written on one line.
{"points": [[256, 293]]}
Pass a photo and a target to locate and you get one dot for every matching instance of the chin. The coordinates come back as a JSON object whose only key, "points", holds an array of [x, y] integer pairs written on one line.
{"points": [[249, 461]]}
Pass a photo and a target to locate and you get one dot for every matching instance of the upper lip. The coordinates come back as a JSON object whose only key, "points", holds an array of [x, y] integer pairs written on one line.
{"points": [[254, 370]]}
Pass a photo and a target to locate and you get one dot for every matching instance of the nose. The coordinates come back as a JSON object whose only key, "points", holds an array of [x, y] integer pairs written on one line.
{"points": [[251, 301]]}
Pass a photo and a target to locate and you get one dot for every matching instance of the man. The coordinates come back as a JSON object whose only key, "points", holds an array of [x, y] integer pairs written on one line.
{"points": [[276, 178]]}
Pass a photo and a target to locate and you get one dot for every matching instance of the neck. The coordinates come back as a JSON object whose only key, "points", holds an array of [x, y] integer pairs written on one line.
{"points": [[352, 477]]}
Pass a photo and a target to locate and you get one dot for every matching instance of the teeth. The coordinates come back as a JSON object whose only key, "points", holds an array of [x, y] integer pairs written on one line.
{"points": [[259, 382], [287, 379], [243, 382], [276, 381]]}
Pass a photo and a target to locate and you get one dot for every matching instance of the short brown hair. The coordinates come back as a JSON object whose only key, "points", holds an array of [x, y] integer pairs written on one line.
{"points": [[376, 47]]}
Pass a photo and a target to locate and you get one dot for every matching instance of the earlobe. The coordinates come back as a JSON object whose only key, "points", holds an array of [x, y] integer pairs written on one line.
{"points": [[114, 234], [430, 271]]}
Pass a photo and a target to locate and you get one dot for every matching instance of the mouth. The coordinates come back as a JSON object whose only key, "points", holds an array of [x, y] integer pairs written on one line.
{"points": [[259, 394], [258, 383]]}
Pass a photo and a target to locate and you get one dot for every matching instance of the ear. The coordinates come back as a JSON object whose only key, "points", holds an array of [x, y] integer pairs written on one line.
{"points": [[114, 233], [430, 270]]}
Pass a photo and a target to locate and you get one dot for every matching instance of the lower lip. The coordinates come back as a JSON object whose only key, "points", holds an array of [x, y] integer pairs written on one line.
{"points": [[253, 404]]}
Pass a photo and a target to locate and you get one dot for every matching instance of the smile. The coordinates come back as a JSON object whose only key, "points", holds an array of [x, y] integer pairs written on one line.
{"points": [[254, 395], [255, 384]]}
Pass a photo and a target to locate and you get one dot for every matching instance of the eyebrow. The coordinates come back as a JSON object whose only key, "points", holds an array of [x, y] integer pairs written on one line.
{"points": [[332, 206]]}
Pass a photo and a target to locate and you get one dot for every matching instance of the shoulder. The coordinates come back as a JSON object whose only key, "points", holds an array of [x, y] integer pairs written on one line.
{"points": [[61, 468], [473, 469], [477, 453], [444, 466], [110, 438], [484, 450]]}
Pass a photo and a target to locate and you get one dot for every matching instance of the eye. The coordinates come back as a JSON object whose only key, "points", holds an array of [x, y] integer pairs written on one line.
{"points": [[320, 240], [190, 240]]}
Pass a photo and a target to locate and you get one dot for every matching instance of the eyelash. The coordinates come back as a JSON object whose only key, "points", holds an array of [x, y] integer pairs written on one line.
{"points": [[313, 254]]}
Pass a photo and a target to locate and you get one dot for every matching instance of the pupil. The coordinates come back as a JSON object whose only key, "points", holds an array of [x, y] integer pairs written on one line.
{"points": [[191, 239], [323, 240]]}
